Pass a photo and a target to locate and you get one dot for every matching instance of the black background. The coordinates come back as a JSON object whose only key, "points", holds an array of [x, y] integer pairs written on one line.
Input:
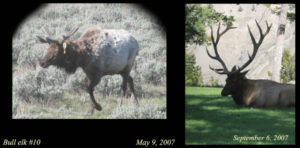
{"points": [[101, 132]]}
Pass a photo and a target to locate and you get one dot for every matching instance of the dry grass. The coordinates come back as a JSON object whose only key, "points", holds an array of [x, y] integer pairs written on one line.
{"points": [[76, 107]]}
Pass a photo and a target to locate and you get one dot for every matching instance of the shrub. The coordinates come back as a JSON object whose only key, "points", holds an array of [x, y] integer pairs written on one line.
{"points": [[29, 57], [270, 74], [214, 82], [143, 112], [24, 86], [287, 72], [41, 85], [193, 76], [109, 86], [77, 82], [15, 104], [16, 48], [152, 73]]}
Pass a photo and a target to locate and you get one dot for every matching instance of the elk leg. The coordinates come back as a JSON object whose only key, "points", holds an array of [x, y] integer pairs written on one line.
{"points": [[91, 84], [131, 87], [124, 87]]}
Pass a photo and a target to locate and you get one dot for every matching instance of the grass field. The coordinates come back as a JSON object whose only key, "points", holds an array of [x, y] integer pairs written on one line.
{"points": [[212, 119]]}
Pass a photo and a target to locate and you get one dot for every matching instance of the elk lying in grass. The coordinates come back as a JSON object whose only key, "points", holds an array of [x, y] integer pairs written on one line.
{"points": [[251, 93], [98, 52]]}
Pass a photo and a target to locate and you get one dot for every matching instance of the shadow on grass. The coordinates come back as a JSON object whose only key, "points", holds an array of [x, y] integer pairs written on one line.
{"points": [[212, 119]]}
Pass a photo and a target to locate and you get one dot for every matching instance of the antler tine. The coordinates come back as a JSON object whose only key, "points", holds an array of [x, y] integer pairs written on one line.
{"points": [[219, 70], [46, 30], [215, 43], [47, 38], [213, 69], [252, 38], [256, 45], [268, 28], [70, 33], [210, 54], [220, 34]]}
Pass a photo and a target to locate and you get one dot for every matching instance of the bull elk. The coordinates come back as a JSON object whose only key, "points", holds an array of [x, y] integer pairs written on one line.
{"points": [[246, 92], [98, 52]]}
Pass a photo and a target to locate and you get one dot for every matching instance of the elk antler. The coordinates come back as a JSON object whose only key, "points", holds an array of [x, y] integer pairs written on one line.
{"points": [[70, 33], [48, 38], [255, 44], [46, 30], [223, 70]]}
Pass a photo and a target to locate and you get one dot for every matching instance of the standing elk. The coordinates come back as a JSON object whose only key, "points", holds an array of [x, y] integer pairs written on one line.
{"points": [[251, 93], [98, 52]]}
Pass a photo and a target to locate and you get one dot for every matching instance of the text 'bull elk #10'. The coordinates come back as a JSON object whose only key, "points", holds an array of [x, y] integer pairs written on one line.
{"points": [[251, 93]]}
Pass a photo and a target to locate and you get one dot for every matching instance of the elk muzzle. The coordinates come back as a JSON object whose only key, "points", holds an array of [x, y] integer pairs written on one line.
{"points": [[43, 63], [224, 92]]}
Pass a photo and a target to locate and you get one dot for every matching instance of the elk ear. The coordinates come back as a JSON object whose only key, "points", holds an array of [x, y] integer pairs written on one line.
{"points": [[233, 69], [42, 39], [49, 40], [244, 73]]}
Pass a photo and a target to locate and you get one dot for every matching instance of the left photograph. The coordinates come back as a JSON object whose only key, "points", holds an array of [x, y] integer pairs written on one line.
{"points": [[89, 61]]}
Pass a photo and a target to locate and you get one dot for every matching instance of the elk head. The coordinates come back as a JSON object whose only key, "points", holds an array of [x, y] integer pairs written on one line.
{"points": [[235, 78], [59, 50]]}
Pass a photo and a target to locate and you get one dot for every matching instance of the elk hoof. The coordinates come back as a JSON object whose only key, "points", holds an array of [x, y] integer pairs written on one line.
{"points": [[136, 103], [98, 107], [120, 103]]}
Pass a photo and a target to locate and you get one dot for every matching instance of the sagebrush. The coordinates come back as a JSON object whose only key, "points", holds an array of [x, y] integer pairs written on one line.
{"points": [[145, 112], [32, 83]]}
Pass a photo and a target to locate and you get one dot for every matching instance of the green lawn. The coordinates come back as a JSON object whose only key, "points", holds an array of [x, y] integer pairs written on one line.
{"points": [[213, 119]]}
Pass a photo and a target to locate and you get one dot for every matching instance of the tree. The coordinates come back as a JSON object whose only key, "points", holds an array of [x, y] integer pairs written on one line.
{"points": [[287, 72], [199, 17], [192, 71], [279, 43]]}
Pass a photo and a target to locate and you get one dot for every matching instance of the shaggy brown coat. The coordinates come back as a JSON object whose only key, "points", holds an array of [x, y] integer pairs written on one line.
{"points": [[98, 52]]}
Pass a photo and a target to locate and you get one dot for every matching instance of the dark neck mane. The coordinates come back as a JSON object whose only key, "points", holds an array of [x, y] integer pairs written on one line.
{"points": [[77, 57], [238, 95]]}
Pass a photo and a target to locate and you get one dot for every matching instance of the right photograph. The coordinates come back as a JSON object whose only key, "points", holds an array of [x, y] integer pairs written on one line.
{"points": [[240, 74]]}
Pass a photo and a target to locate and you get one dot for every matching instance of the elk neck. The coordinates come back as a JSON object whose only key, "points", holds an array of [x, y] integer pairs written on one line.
{"points": [[245, 88], [83, 53]]}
